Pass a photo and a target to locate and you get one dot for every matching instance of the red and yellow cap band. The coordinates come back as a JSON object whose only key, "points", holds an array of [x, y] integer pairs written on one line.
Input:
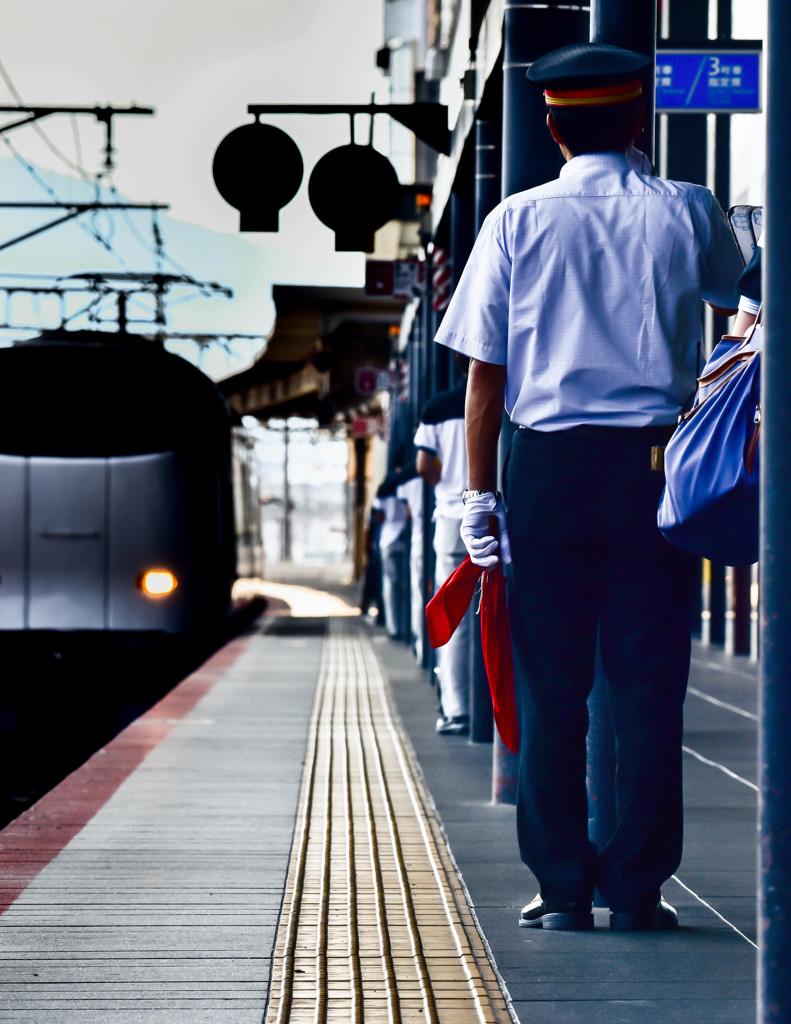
{"points": [[607, 95]]}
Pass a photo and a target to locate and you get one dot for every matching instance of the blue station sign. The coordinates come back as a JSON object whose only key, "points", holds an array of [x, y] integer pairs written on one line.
{"points": [[708, 81]]}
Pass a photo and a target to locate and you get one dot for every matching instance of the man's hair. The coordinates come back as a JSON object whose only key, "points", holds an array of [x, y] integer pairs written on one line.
{"points": [[597, 129]]}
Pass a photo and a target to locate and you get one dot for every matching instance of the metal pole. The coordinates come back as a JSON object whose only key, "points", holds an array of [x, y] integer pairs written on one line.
{"points": [[529, 157], [632, 26], [488, 160], [486, 197], [420, 365], [774, 924], [286, 541], [755, 625], [360, 453]]}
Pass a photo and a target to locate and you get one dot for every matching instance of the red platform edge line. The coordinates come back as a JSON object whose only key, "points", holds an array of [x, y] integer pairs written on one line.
{"points": [[31, 841]]}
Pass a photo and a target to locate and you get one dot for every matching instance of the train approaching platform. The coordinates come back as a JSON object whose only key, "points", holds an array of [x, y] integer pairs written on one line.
{"points": [[285, 838]]}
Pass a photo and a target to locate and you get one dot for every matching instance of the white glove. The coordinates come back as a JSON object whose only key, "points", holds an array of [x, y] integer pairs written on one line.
{"points": [[476, 532]]}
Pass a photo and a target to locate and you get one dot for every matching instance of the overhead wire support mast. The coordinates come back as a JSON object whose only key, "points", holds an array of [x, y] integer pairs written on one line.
{"points": [[37, 112], [103, 114], [75, 209]]}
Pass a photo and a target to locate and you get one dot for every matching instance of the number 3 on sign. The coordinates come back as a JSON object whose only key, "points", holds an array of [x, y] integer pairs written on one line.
{"points": [[714, 66]]}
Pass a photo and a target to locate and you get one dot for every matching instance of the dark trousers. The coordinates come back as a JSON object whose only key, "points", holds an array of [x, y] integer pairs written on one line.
{"points": [[588, 561]]}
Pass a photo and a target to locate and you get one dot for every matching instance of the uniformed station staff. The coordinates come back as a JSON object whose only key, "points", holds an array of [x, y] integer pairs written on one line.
{"points": [[580, 307]]}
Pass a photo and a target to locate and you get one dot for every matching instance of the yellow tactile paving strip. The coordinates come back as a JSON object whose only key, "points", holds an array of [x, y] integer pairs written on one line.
{"points": [[375, 924]]}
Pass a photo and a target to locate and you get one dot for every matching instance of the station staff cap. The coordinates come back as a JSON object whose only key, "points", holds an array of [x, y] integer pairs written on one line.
{"points": [[589, 74]]}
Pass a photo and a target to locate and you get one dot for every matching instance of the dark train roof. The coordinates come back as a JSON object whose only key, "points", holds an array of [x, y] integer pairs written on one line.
{"points": [[86, 393]]}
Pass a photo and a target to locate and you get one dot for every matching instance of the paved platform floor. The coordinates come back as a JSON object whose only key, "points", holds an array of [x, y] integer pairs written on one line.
{"points": [[702, 974], [159, 902]]}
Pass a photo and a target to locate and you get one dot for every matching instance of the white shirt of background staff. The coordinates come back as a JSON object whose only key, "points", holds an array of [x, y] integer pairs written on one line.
{"points": [[446, 440]]}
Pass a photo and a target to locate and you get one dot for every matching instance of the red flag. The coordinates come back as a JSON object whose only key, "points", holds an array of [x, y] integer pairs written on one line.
{"points": [[446, 608], [445, 611]]}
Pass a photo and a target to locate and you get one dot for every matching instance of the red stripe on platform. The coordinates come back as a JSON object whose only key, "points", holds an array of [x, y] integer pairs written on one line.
{"points": [[36, 837]]}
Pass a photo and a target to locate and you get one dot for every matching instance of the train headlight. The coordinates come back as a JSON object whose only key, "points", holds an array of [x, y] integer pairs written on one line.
{"points": [[158, 583]]}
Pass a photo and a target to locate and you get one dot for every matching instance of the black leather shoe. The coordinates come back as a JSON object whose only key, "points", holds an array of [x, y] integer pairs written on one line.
{"points": [[567, 917], [661, 918]]}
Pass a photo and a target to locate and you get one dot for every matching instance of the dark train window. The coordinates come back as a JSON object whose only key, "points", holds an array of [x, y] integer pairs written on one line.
{"points": [[102, 398]]}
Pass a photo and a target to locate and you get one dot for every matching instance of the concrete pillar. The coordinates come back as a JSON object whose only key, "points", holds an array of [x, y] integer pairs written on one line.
{"points": [[774, 925]]}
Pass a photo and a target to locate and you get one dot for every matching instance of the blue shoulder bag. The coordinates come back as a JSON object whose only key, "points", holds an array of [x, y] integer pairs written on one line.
{"points": [[710, 502]]}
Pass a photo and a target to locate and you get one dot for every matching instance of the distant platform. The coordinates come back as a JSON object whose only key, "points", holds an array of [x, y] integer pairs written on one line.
{"points": [[306, 591]]}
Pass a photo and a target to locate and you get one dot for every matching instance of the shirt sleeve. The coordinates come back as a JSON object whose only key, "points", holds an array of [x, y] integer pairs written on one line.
{"points": [[476, 321], [749, 305], [426, 437]]}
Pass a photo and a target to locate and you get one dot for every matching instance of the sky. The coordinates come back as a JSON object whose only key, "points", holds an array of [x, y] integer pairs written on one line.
{"points": [[199, 66]]}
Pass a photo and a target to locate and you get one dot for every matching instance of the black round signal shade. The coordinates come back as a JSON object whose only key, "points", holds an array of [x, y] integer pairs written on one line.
{"points": [[354, 190], [258, 170]]}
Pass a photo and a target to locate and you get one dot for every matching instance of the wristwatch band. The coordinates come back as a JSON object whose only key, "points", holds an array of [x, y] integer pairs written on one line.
{"points": [[467, 495]]}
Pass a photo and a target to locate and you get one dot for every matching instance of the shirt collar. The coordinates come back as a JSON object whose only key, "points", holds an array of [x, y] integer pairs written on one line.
{"points": [[595, 162]]}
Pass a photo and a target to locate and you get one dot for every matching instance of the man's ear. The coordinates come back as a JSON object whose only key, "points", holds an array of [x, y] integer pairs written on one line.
{"points": [[553, 129], [640, 122]]}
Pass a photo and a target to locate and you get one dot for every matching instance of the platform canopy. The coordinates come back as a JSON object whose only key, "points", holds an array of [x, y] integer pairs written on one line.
{"points": [[322, 337]]}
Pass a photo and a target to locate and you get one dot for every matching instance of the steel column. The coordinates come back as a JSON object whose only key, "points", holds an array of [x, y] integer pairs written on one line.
{"points": [[774, 925], [420, 366], [687, 137], [529, 157], [486, 197], [488, 159], [632, 26]]}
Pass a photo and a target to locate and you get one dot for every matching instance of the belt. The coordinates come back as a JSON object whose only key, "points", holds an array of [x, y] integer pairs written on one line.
{"points": [[601, 429]]}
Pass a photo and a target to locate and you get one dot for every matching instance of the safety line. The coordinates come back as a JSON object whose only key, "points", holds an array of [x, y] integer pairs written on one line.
{"points": [[715, 912], [322, 931], [351, 871], [722, 704], [722, 768], [377, 673], [383, 933], [418, 953], [375, 924]]}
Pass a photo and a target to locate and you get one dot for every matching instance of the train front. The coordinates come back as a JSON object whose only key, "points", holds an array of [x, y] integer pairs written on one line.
{"points": [[116, 496]]}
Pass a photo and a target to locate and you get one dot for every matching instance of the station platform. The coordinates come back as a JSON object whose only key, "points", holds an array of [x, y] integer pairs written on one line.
{"points": [[284, 837]]}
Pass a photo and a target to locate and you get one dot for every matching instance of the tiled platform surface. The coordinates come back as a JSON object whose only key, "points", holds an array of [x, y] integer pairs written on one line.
{"points": [[702, 974], [175, 918], [164, 907]]}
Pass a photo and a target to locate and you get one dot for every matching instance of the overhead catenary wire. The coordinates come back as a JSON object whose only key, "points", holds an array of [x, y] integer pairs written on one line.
{"points": [[92, 232], [40, 131], [157, 249]]}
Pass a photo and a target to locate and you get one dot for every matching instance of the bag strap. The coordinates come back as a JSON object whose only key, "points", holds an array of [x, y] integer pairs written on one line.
{"points": [[740, 356], [735, 368]]}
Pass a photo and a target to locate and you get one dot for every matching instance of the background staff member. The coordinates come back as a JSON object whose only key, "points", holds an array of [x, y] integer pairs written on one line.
{"points": [[411, 494], [580, 308], [442, 461], [390, 514]]}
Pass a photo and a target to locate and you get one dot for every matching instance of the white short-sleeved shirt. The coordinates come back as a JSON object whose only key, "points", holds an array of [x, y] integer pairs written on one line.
{"points": [[441, 432], [588, 289]]}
